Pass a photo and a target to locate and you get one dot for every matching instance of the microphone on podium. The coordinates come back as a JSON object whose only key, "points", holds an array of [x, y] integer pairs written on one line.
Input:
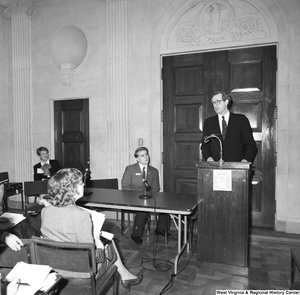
{"points": [[147, 187], [208, 138]]}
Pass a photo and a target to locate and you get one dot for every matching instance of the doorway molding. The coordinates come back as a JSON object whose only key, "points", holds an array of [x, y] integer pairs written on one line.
{"points": [[51, 108]]}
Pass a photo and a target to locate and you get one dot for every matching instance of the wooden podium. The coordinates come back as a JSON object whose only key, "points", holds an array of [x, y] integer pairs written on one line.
{"points": [[223, 212]]}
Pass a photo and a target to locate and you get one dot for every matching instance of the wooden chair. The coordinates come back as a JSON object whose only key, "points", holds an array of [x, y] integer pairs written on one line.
{"points": [[4, 177], [10, 189], [110, 183], [76, 262], [295, 268], [34, 189]]}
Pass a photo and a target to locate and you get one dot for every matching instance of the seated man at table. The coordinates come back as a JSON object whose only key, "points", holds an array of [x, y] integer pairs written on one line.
{"points": [[133, 179]]}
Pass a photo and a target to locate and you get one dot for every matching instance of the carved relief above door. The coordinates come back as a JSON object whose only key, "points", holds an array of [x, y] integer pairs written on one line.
{"points": [[218, 22]]}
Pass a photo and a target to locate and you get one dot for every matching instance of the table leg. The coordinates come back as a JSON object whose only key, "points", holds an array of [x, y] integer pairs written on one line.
{"points": [[185, 234], [122, 227], [179, 233], [180, 249]]}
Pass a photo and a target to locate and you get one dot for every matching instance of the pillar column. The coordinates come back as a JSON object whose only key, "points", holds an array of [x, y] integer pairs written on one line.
{"points": [[20, 14], [119, 116]]}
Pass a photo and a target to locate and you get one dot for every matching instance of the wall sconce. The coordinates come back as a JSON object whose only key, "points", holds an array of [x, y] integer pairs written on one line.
{"points": [[67, 50]]}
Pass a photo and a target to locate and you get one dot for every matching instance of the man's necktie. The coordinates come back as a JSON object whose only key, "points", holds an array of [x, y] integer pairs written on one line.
{"points": [[144, 174], [224, 127]]}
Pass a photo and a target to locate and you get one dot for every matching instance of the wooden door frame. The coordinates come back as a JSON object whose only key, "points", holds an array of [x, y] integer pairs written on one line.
{"points": [[275, 123], [52, 130]]}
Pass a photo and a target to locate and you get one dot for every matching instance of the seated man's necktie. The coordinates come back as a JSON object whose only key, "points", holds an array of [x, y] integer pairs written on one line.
{"points": [[144, 173]]}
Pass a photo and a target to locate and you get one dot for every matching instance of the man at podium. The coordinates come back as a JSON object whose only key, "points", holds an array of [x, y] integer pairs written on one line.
{"points": [[232, 131]]}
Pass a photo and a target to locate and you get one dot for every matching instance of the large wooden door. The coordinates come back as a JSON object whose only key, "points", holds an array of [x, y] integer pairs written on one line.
{"points": [[188, 83], [71, 129]]}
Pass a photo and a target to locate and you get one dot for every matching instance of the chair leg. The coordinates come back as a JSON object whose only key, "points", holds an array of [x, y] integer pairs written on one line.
{"points": [[122, 223], [148, 227], [128, 225]]}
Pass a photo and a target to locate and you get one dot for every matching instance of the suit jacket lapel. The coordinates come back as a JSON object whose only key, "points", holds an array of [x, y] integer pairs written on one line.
{"points": [[216, 125], [137, 168], [231, 124], [149, 173]]}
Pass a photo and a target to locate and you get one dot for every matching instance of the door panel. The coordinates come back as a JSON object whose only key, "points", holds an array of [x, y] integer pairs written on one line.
{"points": [[256, 71], [184, 119], [72, 133], [188, 83]]}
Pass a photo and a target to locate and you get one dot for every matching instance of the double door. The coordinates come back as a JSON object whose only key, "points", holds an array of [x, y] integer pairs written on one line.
{"points": [[249, 76]]}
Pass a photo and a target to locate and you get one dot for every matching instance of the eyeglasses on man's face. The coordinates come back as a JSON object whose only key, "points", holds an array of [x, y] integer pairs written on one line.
{"points": [[216, 102]]}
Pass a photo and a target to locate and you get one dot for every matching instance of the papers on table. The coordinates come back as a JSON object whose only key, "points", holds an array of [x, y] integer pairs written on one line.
{"points": [[14, 218], [8, 220], [38, 277]]}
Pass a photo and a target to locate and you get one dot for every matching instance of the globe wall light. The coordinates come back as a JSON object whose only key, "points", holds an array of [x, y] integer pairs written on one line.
{"points": [[68, 49]]}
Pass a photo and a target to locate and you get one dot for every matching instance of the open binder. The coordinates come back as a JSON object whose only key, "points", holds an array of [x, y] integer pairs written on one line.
{"points": [[34, 279]]}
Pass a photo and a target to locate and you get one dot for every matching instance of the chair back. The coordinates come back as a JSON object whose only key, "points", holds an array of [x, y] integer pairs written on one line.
{"points": [[71, 260], [34, 188], [9, 257], [110, 183], [4, 177], [77, 260]]}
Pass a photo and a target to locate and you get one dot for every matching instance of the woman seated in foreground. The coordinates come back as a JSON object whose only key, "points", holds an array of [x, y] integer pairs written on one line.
{"points": [[66, 222]]}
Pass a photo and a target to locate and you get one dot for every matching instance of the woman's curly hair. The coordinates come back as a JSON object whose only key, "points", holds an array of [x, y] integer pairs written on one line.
{"points": [[63, 187]]}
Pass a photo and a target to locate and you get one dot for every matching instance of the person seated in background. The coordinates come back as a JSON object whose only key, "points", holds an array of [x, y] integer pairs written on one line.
{"points": [[46, 168], [133, 179], [66, 222]]}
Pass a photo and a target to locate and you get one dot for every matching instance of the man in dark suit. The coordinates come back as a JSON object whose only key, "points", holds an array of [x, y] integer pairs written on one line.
{"points": [[46, 168], [133, 180], [234, 131]]}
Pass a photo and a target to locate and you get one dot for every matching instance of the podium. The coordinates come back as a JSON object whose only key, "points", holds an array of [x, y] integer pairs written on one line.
{"points": [[223, 213]]}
